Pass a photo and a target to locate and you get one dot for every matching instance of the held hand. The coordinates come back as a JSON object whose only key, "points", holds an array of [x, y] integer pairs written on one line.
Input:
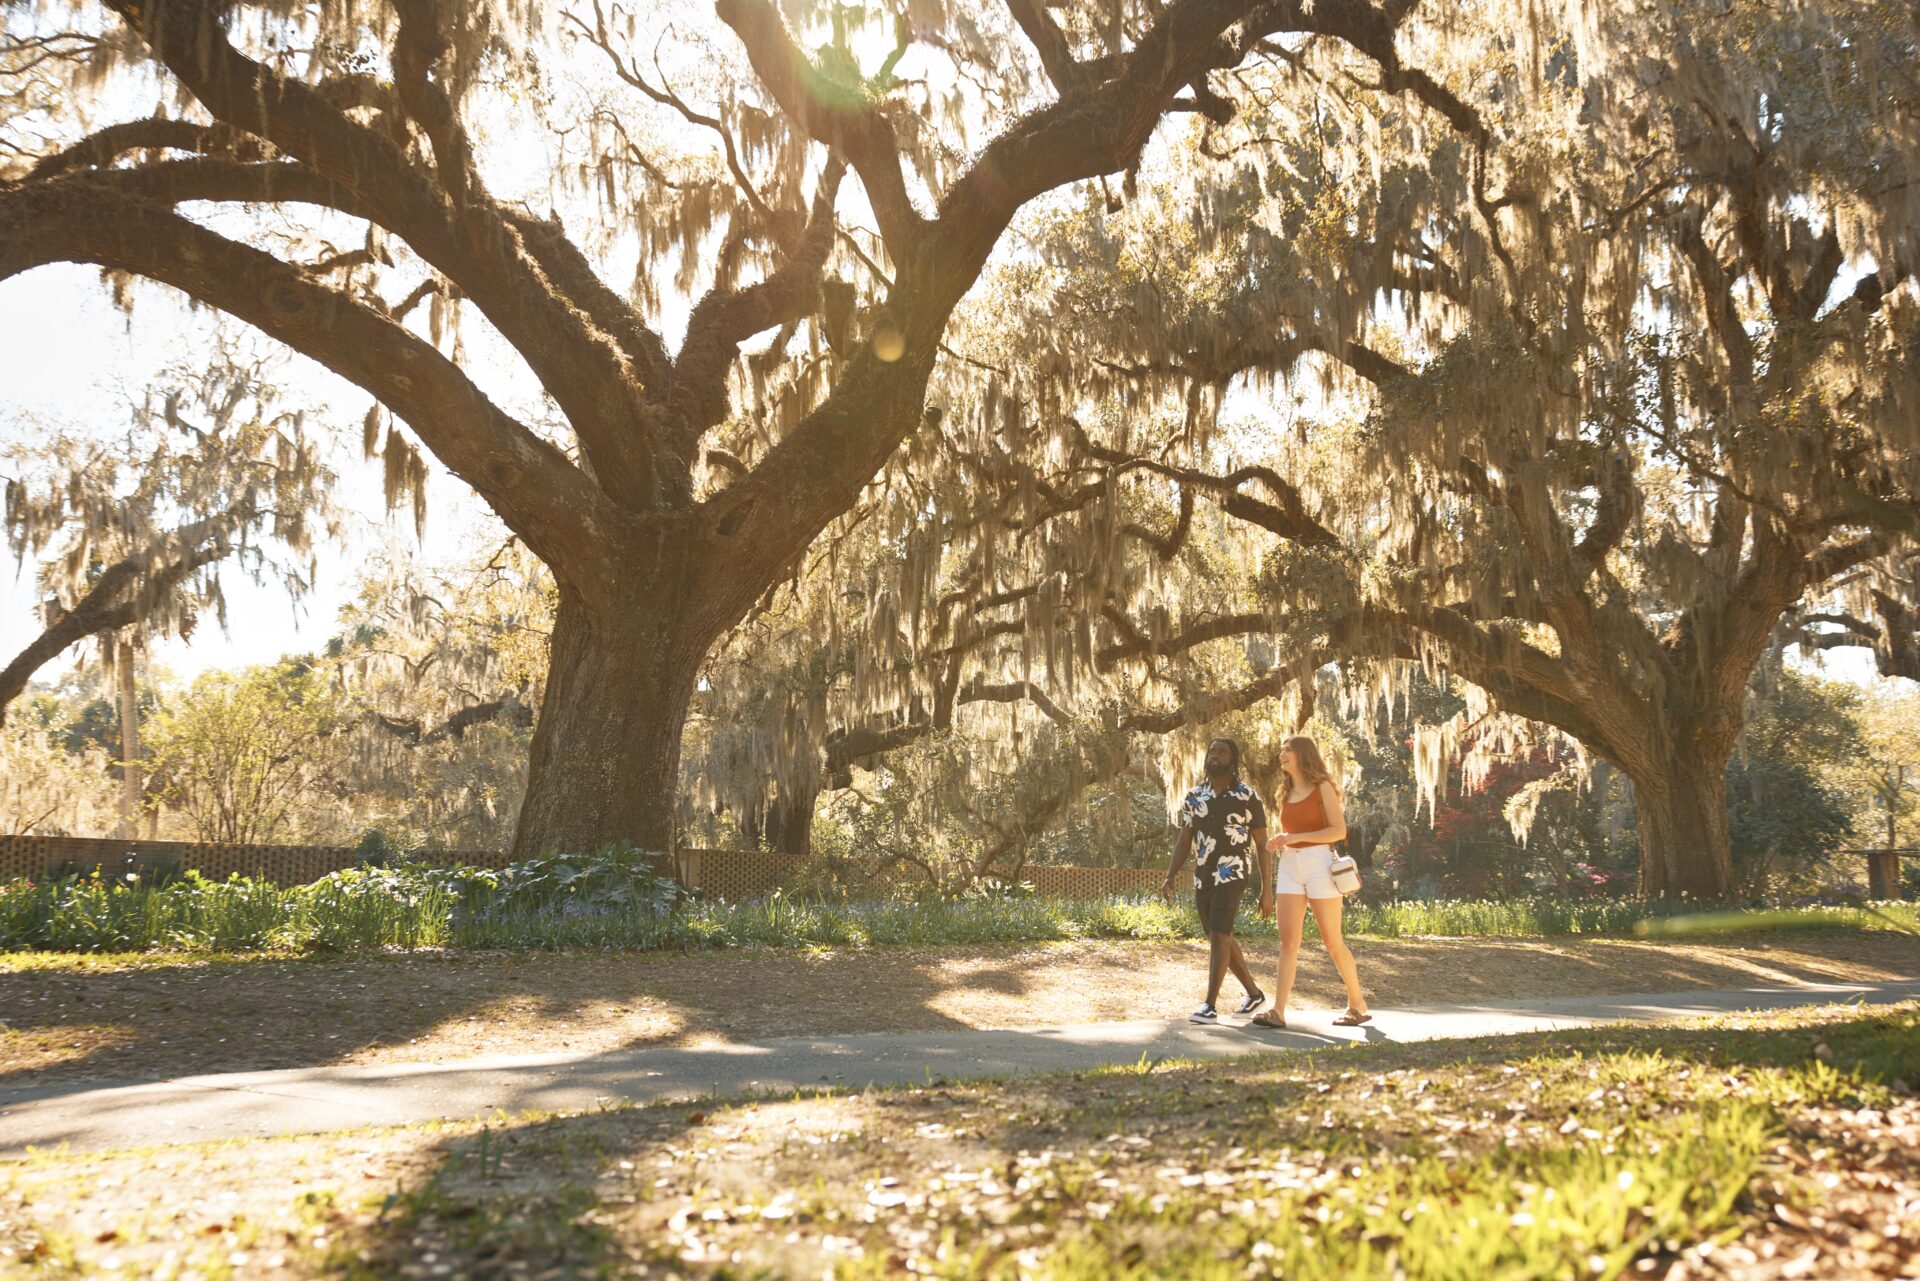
{"points": [[1266, 907]]}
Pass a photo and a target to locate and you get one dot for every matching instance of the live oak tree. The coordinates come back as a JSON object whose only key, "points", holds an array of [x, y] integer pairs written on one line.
{"points": [[339, 117], [1642, 388], [129, 530], [1686, 407]]}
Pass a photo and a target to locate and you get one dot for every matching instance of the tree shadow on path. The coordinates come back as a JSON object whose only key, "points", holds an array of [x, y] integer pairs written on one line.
{"points": [[147, 1021], [792, 1182]]}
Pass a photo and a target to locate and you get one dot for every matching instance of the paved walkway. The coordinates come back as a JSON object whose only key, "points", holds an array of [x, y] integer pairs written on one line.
{"points": [[96, 1115]]}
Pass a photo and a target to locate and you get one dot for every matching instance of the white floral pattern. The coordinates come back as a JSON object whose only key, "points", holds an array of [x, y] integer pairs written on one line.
{"points": [[1223, 850]]}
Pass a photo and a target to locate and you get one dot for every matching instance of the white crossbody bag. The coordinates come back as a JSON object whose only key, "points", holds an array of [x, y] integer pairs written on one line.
{"points": [[1346, 874]]}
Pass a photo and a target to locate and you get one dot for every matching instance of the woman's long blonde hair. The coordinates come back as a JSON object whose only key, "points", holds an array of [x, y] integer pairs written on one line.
{"points": [[1306, 753]]}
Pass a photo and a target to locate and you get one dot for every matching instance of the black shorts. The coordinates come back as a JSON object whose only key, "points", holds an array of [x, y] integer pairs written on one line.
{"points": [[1218, 905]]}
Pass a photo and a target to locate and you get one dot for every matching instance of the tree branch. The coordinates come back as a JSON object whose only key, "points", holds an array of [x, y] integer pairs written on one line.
{"points": [[540, 495], [1614, 513], [417, 47], [826, 113], [1050, 43], [725, 318], [124, 593], [1137, 644], [473, 244], [1212, 706], [413, 733], [157, 134], [601, 39], [1287, 517], [568, 269]]}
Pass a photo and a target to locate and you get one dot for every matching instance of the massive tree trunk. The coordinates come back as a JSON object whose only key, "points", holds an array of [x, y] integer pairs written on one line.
{"points": [[605, 759], [1682, 819]]}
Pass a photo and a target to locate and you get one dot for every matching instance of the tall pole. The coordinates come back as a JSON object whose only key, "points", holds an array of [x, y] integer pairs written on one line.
{"points": [[1893, 805], [129, 741]]}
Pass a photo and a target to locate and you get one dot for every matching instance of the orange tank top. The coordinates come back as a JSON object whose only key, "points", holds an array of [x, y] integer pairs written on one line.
{"points": [[1303, 816]]}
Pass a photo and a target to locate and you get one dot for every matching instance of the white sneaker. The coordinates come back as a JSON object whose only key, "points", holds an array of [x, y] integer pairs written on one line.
{"points": [[1205, 1014]]}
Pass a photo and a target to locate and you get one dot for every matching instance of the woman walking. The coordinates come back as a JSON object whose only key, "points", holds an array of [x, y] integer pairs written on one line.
{"points": [[1311, 820]]}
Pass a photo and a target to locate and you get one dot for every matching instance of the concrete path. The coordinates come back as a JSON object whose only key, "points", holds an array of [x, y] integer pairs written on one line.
{"points": [[96, 1115]]}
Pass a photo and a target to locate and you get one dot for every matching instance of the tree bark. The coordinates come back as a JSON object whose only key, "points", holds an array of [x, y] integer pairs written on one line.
{"points": [[605, 759], [1682, 819], [789, 821]]}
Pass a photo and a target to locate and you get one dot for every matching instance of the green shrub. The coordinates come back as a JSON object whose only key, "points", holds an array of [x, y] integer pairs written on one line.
{"points": [[620, 900]]}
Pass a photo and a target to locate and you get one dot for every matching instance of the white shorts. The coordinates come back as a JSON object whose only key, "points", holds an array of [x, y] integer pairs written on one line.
{"points": [[1304, 870]]}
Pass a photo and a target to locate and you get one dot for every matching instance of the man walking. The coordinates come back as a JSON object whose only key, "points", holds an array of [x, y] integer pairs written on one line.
{"points": [[1223, 826]]}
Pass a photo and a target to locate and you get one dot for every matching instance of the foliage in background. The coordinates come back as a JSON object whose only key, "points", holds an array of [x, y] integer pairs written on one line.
{"points": [[922, 821], [619, 900], [47, 788], [245, 756], [1882, 782], [1787, 807], [444, 670]]}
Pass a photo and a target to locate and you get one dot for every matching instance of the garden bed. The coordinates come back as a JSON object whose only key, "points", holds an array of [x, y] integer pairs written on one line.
{"points": [[573, 902]]}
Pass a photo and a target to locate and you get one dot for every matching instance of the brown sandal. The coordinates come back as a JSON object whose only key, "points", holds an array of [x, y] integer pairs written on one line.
{"points": [[1268, 1019], [1351, 1019]]}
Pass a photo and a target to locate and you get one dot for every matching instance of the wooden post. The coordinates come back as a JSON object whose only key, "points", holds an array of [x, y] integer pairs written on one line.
{"points": [[1883, 874]]}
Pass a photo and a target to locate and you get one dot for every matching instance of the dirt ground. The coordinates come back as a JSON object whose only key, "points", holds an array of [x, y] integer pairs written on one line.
{"points": [[1020, 1174], [66, 1018]]}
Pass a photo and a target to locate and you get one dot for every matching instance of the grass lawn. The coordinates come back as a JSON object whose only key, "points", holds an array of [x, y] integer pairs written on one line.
{"points": [[1784, 1145], [73, 1016]]}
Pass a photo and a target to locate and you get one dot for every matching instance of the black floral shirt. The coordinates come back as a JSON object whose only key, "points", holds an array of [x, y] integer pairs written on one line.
{"points": [[1223, 824]]}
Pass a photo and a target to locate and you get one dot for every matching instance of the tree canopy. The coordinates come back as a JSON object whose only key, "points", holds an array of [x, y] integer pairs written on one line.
{"points": [[131, 533], [1564, 347]]}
